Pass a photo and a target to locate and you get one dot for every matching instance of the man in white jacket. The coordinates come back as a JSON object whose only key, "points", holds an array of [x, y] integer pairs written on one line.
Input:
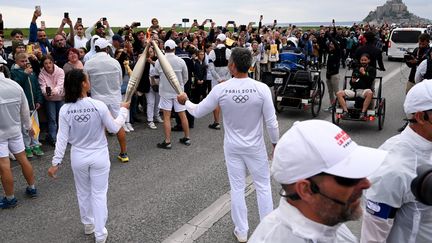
{"points": [[323, 173], [105, 76], [246, 104], [14, 111], [392, 213]]}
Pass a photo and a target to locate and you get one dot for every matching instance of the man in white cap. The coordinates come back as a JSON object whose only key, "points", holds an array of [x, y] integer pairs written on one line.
{"points": [[168, 96], [218, 67], [323, 173], [105, 76], [392, 213]]}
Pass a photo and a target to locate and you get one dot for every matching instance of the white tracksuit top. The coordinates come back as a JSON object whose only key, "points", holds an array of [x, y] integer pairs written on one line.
{"points": [[14, 109], [82, 125], [245, 105]]}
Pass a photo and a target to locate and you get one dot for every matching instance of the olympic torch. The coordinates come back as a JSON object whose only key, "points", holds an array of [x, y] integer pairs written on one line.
{"points": [[167, 69], [136, 75]]}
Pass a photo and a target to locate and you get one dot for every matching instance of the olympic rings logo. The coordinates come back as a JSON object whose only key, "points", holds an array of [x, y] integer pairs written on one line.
{"points": [[82, 118], [240, 98]]}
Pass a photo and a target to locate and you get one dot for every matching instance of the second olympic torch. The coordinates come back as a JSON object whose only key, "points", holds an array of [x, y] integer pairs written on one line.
{"points": [[135, 78], [167, 69]]}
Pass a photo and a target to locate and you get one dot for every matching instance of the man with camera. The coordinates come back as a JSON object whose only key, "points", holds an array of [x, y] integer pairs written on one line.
{"points": [[392, 213], [414, 58]]}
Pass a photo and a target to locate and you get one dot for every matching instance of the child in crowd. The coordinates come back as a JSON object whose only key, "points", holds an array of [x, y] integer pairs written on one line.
{"points": [[23, 74]]}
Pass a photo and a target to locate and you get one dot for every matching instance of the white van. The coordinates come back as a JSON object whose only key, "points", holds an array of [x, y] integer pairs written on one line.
{"points": [[403, 40]]}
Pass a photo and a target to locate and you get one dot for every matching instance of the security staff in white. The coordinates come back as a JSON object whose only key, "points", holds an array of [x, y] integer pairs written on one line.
{"points": [[218, 67], [14, 112], [392, 213], [82, 123], [168, 95], [105, 76], [246, 104], [323, 173]]}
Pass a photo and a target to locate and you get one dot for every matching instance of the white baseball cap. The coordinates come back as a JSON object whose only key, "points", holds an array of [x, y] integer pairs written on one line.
{"points": [[419, 98], [102, 43], [315, 146], [170, 44], [221, 37]]}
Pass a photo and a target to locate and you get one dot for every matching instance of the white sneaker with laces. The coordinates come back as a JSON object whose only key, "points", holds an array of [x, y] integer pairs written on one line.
{"points": [[158, 119], [151, 125], [129, 126], [89, 229], [126, 128]]}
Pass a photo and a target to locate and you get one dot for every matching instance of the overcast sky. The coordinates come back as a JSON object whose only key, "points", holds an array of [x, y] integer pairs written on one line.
{"points": [[17, 13]]}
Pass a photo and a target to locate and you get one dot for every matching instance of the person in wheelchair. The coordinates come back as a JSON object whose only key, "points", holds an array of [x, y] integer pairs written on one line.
{"points": [[361, 83]]}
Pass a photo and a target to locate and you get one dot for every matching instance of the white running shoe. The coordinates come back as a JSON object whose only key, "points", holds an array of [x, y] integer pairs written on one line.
{"points": [[89, 229], [158, 119], [126, 128], [240, 238], [151, 125], [129, 126], [105, 236]]}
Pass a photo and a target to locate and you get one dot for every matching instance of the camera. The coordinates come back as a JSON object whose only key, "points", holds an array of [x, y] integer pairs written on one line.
{"points": [[66, 15], [421, 186]]}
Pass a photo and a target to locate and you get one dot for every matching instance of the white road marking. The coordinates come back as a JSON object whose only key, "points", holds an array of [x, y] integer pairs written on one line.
{"points": [[393, 73], [197, 226]]}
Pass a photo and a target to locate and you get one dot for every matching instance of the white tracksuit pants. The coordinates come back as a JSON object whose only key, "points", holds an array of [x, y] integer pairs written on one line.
{"points": [[257, 164], [91, 171]]}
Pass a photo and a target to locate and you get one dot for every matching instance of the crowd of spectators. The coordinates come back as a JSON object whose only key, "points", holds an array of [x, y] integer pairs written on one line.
{"points": [[41, 64]]}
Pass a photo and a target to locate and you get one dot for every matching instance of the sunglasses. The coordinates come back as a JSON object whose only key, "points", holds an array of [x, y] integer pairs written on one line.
{"points": [[343, 181]]}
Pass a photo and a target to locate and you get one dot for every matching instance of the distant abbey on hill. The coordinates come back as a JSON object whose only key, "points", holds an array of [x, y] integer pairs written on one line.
{"points": [[394, 11]]}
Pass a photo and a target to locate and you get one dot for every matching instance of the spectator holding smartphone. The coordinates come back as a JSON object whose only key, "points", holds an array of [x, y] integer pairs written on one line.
{"points": [[51, 79], [23, 74], [39, 35], [62, 43]]}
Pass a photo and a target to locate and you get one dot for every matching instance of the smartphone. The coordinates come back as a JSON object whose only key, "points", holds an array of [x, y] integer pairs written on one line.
{"points": [[231, 22], [79, 20], [48, 90], [275, 21], [29, 49], [66, 15], [209, 20], [104, 19], [261, 16], [42, 24], [38, 9], [195, 21], [185, 20]]}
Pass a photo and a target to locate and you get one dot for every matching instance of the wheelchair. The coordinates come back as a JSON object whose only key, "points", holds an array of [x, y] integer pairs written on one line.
{"points": [[296, 84], [376, 110]]}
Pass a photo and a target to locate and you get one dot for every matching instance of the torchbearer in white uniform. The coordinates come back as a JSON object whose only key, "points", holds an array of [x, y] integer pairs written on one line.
{"points": [[246, 104], [322, 172], [82, 123], [392, 213]]}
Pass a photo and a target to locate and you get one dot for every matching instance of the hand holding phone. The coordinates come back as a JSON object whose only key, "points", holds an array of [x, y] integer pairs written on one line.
{"points": [[38, 10], [79, 20], [66, 15], [48, 91]]}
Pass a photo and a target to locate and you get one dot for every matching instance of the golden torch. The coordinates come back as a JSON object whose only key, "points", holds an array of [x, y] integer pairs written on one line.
{"points": [[167, 69], [136, 75]]}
